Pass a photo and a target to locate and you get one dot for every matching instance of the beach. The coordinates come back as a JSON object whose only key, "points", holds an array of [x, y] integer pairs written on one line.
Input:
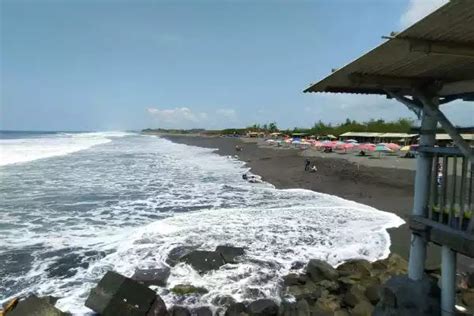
{"points": [[385, 184]]}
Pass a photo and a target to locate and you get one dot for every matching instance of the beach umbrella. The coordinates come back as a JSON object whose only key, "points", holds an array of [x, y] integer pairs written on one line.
{"points": [[270, 140], [329, 145], [405, 148], [393, 146], [382, 148], [367, 147], [351, 141]]}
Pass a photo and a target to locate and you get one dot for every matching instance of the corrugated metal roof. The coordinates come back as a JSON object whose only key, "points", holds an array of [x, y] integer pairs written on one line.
{"points": [[437, 50], [374, 134], [469, 137]]}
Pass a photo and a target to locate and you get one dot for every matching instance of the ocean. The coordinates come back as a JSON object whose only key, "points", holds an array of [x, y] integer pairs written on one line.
{"points": [[75, 205]]}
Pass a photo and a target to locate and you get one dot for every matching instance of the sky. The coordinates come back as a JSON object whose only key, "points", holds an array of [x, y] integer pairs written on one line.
{"points": [[122, 65]]}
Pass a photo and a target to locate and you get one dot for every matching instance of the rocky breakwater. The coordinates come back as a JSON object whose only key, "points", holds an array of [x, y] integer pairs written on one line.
{"points": [[357, 287]]}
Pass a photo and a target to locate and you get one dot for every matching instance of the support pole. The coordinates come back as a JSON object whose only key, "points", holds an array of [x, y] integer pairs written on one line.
{"points": [[448, 281], [416, 265]]}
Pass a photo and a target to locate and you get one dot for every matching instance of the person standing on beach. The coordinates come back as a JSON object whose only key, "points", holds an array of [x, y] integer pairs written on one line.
{"points": [[306, 164]]}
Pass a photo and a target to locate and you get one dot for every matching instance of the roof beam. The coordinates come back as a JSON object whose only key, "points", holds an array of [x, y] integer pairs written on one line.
{"points": [[389, 82], [440, 48], [458, 87]]}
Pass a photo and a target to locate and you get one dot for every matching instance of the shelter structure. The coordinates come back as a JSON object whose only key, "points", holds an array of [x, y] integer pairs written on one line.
{"points": [[372, 137], [425, 66]]}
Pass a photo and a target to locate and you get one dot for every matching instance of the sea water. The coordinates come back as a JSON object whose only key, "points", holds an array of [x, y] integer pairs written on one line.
{"points": [[75, 205]]}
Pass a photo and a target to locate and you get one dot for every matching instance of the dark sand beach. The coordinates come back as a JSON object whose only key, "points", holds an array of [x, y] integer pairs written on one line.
{"points": [[385, 188]]}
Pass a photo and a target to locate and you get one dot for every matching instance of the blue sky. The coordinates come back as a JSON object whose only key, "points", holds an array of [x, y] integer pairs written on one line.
{"points": [[115, 65]]}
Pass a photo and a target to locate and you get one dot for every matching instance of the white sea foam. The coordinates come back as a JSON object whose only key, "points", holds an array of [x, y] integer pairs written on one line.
{"points": [[133, 202], [29, 149]]}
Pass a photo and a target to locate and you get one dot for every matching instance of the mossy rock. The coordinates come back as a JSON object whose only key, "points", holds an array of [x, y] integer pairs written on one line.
{"points": [[188, 289]]}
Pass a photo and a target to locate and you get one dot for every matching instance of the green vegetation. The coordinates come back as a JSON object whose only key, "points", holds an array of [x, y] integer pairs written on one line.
{"points": [[402, 125], [188, 289]]}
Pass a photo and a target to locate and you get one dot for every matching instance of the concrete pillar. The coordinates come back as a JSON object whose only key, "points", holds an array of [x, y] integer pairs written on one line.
{"points": [[417, 260], [448, 281]]}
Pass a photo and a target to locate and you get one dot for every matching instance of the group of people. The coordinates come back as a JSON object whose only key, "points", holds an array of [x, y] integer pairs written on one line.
{"points": [[307, 165]]}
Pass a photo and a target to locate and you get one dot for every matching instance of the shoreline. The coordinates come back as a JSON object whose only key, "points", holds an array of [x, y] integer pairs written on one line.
{"points": [[388, 189]]}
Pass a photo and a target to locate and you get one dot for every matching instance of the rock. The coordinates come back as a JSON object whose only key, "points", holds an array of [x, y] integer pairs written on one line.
{"points": [[402, 296], [50, 299], [341, 312], [158, 308], [179, 311], [188, 289], [360, 268], [327, 305], [34, 305], [229, 253], [354, 296], [297, 265], [236, 309], [223, 300], [467, 297], [470, 280], [203, 261], [308, 291], [292, 279], [363, 308], [152, 276], [372, 294], [116, 294], [201, 311], [300, 308], [263, 307], [176, 253], [394, 264], [319, 270], [331, 286]]}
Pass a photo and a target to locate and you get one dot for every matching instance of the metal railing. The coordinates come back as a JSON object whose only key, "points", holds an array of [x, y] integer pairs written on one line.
{"points": [[451, 194]]}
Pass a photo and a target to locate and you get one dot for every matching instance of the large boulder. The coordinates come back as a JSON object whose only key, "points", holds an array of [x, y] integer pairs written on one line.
{"points": [[223, 300], [363, 308], [203, 261], [177, 253], [355, 295], [357, 267], [236, 309], [402, 296], [263, 307], [394, 264], [467, 297], [34, 305], [293, 279], [319, 270], [152, 276], [179, 311], [201, 311], [372, 294], [119, 295], [300, 308], [229, 253], [326, 305], [308, 291]]}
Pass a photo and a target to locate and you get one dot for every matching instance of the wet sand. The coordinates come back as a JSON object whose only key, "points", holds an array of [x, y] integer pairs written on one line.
{"points": [[387, 188]]}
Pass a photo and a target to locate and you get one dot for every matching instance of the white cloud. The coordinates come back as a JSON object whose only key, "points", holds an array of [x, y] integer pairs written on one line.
{"points": [[178, 117], [228, 113], [418, 9], [184, 117]]}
